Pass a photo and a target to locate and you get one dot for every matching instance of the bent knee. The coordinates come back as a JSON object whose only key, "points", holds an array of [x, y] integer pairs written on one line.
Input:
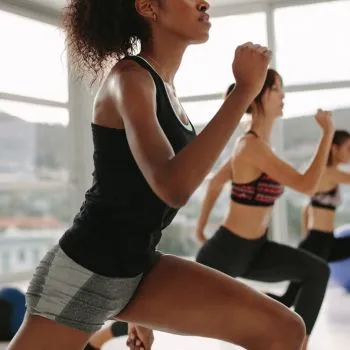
{"points": [[320, 269], [289, 331]]}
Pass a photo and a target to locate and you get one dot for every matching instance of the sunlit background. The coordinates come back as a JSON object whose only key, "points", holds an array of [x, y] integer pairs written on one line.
{"points": [[45, 141]]}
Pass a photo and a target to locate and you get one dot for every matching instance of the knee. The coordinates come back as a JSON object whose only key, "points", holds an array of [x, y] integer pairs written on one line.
{"points": [[289, 332], [320, 270], [280, 329]]}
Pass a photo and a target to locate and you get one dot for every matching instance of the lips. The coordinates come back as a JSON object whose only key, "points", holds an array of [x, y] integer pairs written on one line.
{"points": [[204, 18]]}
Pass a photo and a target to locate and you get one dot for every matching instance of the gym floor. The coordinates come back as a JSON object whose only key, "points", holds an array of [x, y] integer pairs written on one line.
{"points": [[331, 331]]}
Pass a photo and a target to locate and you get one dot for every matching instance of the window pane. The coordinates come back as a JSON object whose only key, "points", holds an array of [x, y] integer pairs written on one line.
{"points": [[301, 137], [207, 68], [33, 59], [203, 111], [35, 113], [313, 51], [35, 192], [307, 102]]}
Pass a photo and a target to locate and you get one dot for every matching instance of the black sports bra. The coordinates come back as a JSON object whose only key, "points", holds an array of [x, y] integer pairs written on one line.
{"points": [[327, 200]]}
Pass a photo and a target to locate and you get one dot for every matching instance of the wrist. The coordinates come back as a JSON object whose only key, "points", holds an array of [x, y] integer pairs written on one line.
{"points": [[244, 92], [328, 133]]}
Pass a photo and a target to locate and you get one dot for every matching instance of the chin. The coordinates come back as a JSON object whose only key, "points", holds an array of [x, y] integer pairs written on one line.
{"points": [[200, 39]]}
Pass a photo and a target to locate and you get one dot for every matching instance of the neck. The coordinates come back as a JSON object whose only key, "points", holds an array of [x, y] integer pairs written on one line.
{"points": [[164, 54], [262, 125]]}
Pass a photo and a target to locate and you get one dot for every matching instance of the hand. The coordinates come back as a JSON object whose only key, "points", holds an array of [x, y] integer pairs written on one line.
{"points": [[201, 236], [139, 338], [250, 67], [325, 120]]}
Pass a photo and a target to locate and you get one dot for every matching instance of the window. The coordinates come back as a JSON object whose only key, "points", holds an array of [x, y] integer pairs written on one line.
{"points": [[21, 256], [33, 59], [201, 112], [207, 68], [310, 42], [35, 159], [307, 102], [35, 113], [35, 191]]}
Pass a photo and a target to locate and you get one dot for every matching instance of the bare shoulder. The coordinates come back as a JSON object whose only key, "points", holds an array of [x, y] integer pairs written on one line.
{"points": [[247, 145], [127, 73], [127, 90]]}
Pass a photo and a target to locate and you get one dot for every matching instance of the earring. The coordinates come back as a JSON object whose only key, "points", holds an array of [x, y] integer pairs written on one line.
{"points": [[154, 17]]}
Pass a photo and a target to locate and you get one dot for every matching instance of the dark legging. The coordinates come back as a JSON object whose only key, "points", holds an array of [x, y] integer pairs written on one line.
{"points": [[266, 261], [324, 245], [118, 329]]}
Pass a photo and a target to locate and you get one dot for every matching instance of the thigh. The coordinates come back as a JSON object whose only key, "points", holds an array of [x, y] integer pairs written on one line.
{"points": [[278, 262], [188, 298], [42, 334]]}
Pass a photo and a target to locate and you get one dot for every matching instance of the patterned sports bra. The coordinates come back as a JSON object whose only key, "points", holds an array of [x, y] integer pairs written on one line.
{"points": [[262, 192]]}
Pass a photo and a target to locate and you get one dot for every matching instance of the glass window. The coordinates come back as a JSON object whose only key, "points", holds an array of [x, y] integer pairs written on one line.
{"points": [[33, 59], [34, 113], [35, 192], [21, 255], [310, 42], [307, 102], [201, 112], [207, 68]]}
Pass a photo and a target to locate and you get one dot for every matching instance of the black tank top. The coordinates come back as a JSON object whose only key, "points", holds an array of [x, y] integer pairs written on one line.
{"points": [[119, 224]]}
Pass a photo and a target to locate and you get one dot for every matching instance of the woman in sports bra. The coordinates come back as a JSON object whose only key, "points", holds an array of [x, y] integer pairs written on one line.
{"points": [[240, 247], [319, 214]]}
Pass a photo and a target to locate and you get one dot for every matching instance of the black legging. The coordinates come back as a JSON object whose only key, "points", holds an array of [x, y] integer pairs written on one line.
{"points": [[324, 245], [118, 329], [266, 261]]}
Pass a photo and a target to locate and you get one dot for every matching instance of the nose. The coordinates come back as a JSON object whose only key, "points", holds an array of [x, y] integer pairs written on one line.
{"points": [[203, 6]]}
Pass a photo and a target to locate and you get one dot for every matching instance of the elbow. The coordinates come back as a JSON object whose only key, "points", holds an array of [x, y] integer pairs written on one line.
{"points": [[172, 194], [308, 188], [175, 199]]}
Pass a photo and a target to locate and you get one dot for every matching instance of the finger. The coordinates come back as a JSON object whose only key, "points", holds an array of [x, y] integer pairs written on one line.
{"points": [[131, 343]]}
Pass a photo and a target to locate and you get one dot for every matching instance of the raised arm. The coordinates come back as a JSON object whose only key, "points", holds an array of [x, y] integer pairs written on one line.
{"points": [[175, 177], [214, 188], [261, 155], [341, 177]]}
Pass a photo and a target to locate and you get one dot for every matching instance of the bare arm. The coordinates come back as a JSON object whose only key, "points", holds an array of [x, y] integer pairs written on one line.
{"points": [[341, 177], [261, 155], [214, 189], [175, 178]]}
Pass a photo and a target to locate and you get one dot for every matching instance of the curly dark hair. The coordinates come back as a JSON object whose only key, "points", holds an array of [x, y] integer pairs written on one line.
{"points": [[101, 31]]}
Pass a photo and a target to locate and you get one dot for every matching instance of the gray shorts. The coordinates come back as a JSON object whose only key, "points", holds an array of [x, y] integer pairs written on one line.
{"points": [[64, 291]]}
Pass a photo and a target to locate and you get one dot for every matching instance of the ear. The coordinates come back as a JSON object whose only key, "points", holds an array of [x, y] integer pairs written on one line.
{"points": [[146, 8]]}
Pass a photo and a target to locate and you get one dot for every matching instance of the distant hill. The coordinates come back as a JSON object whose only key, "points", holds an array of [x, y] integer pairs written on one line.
{"points": [[25, 146]]}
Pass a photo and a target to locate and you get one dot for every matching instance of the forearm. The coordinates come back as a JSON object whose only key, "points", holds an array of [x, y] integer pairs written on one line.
{"points": [[314, 172], [193, 163], [207, 206]]}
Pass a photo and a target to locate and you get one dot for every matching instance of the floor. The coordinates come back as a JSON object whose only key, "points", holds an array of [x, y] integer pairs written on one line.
{"points": [[332, 330]]}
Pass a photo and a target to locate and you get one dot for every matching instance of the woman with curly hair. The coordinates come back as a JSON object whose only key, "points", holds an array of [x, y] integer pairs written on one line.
{"points": [[147, 163]]}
